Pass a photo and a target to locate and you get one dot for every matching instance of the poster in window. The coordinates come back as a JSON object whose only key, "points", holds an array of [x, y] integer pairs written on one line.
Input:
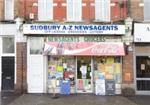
{"points": [[110, 60], [142, 66], [101, 67], [127, 76], [118, 68]]}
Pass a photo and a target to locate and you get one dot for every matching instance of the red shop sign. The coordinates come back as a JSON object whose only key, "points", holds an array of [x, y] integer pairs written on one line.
{"points": [[84, 48]]}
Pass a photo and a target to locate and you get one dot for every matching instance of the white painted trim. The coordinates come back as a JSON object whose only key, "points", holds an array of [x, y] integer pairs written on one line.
{"points": [[55, 4], [31, 87], [64, 4], [92, 4], [141, 4], [5, 27], [45, 68], [84, 4], [143, 92]]}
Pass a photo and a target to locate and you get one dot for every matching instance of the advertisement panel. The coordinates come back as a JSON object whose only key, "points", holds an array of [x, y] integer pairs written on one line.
{"points": [[141, 32], [84, 48]]}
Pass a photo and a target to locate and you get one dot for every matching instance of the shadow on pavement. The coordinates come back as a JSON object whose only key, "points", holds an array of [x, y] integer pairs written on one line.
{"points": [[140, 99], [8, 97]]}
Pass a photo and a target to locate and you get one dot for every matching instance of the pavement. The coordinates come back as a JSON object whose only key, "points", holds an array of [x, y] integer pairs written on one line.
{"points": [[8, 97], [76, 99]]}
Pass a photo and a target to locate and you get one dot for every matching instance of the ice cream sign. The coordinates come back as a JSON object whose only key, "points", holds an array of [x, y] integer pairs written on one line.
{"points": [[73, 29]]}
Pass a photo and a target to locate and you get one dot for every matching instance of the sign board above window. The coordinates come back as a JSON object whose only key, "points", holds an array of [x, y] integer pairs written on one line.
{"points": [[73, 29], [141, 32]]}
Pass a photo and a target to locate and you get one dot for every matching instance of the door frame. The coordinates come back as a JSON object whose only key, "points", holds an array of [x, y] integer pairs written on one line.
{"points": [[12, 72], [92, 76], [6, 55]]}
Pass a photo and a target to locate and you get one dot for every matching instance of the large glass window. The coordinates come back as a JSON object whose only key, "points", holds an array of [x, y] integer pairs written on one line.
{"points": [[61, 68], [8, 45], [143, 66], [36, 45], [108, 67]]}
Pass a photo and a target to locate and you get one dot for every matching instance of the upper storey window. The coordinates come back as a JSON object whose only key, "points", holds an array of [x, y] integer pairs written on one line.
{"points": [[146, 10], [9, 9], [102, 10], [45, 10], [74, 10]]}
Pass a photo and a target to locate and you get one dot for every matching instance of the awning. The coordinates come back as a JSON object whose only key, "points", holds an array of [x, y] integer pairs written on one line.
{"points": [[84, 48]]}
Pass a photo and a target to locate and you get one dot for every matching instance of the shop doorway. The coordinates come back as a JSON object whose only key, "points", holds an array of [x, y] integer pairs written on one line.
{"points": [[143, 74], [84, 77], [8, 73]]}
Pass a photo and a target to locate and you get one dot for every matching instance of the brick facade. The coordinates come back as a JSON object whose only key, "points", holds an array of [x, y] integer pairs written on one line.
{"points": [[127, 73], [136, 10], [1, 10], [21, 67], [118, 12], [23, 8]]}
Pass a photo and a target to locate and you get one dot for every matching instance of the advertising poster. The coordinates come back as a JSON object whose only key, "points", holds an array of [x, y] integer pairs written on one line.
{"points": [[100, 87], [127, 76], [101, 67], [110, 87], [118, 68], [110, 60], [142, 66]]}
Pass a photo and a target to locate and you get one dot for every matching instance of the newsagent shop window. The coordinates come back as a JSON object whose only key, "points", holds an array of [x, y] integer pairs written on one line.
{"points": [[8, 45], [36, 45]]}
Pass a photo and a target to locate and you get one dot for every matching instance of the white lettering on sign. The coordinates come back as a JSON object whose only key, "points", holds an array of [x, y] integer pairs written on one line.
{"points": [[104, 50]]}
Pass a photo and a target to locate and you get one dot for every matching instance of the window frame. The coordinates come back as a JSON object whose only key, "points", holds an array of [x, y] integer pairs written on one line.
{"points": [[74, 11], [9, 15]]}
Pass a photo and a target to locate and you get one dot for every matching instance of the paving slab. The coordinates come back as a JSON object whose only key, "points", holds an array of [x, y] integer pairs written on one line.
{"points": [[7, 97], [46, 99]]}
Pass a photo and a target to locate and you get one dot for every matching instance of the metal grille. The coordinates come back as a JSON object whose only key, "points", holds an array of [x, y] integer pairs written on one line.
{"points": [[143, 85]]}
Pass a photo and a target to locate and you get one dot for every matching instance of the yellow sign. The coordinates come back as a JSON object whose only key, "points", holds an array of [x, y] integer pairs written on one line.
{"points": [[118, 68], [110, 60]]}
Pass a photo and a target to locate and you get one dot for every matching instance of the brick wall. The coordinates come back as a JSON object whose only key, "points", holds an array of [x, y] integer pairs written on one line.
{"points": [[118, 12], [1, 10], [59, 10], [88, 11], [21, 67], [136, 11], [127, 73]]}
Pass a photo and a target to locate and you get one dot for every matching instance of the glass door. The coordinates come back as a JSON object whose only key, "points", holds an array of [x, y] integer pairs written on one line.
{"points": [[84, 75], [143, 74]]}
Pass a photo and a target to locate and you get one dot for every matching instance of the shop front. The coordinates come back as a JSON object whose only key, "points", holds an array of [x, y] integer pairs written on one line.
{"points": [[89, 63], [142, 58]]}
